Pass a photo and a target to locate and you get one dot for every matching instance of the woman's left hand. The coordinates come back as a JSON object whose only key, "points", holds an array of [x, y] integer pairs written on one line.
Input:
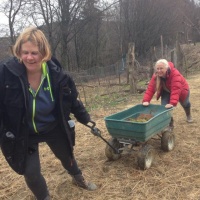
{"points": [[168, 106]]}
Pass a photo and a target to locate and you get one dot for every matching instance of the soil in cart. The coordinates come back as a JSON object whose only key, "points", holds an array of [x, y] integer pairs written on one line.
{"points": [[142, 117]]}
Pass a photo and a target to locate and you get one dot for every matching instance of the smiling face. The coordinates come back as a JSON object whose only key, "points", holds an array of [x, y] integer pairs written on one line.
{"points": [[161, 69], [32, 48], [31, 57]]}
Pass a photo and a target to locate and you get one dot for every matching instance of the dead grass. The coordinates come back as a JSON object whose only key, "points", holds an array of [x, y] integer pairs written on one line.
{"points": [[173, 176]]}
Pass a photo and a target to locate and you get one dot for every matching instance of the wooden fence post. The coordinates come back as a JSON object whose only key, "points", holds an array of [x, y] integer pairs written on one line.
{"points": [[131, 68], [161, 44], [179, 54]]}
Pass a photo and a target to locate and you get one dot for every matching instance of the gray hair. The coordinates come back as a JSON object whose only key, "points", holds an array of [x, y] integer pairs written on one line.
{"points": [[163, 61], [158, 79]]}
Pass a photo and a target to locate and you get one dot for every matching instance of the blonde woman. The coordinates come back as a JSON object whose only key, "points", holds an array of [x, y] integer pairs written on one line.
{"points": [[36, 100]]}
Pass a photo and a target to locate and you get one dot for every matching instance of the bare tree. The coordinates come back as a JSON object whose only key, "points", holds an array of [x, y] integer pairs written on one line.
{"points": [[88, 41], [44, 14], [12, 8], [87, 33]]}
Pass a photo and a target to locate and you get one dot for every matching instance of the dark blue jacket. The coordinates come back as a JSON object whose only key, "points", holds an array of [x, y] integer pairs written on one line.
{"points": [[14, 106]]}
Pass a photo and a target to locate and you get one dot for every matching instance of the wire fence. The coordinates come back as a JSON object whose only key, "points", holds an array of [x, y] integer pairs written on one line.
{"points": [[99, 86], [106, 86]]}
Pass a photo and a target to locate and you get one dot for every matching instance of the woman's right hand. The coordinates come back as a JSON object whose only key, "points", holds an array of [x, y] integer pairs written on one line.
{"points": [[145, 103]]}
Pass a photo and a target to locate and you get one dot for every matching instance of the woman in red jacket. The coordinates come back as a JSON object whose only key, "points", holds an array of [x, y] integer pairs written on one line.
{"points": [[169, 84]]}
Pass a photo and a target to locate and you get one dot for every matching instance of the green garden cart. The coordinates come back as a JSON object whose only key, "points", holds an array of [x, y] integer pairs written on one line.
{"points": [[133, 128]]}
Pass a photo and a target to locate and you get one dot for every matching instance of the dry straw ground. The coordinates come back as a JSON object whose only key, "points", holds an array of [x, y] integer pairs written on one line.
{"points": [[173, 176]]}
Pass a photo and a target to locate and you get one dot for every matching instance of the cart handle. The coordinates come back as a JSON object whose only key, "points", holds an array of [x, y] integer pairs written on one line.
{"points": [[96, 132], [91, 126]]}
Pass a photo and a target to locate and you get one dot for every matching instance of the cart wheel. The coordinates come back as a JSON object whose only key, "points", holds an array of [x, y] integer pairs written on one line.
{"points": [[109, 152], [167, 141], [145, 157]]}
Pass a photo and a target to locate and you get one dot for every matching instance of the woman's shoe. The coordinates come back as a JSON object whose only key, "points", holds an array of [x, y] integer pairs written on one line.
{"points": [[81, 182]]}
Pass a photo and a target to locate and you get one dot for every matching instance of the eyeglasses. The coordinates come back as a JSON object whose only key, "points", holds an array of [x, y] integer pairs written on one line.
{"points": [[159, 69]]}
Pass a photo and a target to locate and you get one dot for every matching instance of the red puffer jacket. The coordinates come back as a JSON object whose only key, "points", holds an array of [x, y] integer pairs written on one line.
{"points": [[175, 83]]}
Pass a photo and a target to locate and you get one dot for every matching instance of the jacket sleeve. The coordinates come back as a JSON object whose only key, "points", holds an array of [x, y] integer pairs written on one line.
{"points": [[151, 89], [176, 88], [78, 109], [1, 100]]}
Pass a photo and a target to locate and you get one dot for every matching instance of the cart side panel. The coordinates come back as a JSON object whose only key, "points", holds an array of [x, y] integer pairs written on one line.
{"points": [[119, 127]]}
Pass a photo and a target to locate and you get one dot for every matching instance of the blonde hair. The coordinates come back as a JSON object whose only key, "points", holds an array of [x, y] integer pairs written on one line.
{"points": [[158, 79], [37, 37]]}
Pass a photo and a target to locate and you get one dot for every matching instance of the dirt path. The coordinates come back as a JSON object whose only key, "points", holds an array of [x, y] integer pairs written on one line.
{"points": [[173, 176]]}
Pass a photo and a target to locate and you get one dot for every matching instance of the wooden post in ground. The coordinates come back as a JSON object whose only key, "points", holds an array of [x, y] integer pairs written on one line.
{"points": [[161, 44], [179, 54], [152, 62], [127, 68], [131, 68]]}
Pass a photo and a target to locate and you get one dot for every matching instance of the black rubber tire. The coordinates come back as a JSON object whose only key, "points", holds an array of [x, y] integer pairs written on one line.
{"points": [[145, 157], [167, 141], [109, 152]]}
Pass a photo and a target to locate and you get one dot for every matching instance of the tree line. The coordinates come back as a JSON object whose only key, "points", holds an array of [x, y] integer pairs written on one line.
{"points": [[96, 33]]}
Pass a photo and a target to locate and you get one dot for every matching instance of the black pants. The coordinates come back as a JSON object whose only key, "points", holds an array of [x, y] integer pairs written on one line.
{"points": [[165, 98], [58, 143]]}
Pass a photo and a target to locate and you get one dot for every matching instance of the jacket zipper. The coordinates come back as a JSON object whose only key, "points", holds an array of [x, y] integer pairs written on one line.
{"points": [[34, 105], [45, 74]]}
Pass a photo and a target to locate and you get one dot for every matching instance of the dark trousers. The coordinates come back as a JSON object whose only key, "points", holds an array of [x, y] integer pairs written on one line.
{"points": [[165, 98], [58, 143]]}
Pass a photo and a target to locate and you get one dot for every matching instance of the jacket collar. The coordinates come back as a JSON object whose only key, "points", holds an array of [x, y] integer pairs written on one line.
{"points": [[168, 72], [19, 69], [15, 67]]}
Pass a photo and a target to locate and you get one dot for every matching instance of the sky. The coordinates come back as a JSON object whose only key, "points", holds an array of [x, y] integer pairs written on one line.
{"points": [[4, 19]]}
